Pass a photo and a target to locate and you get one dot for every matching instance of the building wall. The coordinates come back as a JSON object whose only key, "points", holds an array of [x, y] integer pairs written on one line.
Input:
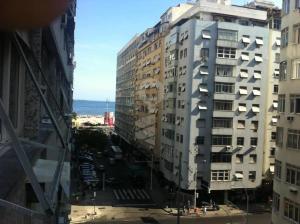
{"points": [[126, 69], [196, 160], [148, 85], [286, 185]]}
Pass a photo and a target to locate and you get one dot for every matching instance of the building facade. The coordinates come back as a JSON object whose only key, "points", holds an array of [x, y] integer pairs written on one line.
{"points": [[148, 84], [126, 70], [36, 79], [218, 71], [286, 199]]}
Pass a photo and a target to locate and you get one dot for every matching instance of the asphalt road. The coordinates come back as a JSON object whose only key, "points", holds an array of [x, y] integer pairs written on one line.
{"points": [[253, 219]]}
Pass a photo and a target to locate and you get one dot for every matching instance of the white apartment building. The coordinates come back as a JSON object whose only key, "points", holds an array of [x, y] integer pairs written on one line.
{"points": [[286, 199], [220, 84]]}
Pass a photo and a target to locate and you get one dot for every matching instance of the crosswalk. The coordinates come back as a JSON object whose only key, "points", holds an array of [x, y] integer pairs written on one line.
{"points": [[130, 194]]}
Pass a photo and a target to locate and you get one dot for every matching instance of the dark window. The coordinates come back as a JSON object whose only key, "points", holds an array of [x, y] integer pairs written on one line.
{"points": [[200, 140], [253, 141], [221, 140], [221, 157], [240, 141]]}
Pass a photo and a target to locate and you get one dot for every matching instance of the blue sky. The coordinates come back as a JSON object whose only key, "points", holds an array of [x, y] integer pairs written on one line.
{"points": [[102, 28]]}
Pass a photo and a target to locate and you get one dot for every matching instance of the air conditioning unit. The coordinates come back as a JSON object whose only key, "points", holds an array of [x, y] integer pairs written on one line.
{"points": [[290, 118], [228, 147]]}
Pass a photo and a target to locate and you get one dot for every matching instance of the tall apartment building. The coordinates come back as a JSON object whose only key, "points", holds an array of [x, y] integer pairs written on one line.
{"points": [[219, 79], [138, 102], [36, 78], [149, 83], [126, 70], [286, 199], [148, 93]]}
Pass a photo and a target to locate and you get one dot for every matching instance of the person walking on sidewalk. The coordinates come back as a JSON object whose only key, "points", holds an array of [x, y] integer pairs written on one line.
{"points": [[204, 210]]}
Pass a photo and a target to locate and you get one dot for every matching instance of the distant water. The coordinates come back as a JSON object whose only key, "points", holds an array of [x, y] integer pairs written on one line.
{"points": [[87, 107]]}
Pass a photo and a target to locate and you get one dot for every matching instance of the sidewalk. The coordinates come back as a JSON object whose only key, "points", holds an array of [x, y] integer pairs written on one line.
{"points": [[224, 211]]}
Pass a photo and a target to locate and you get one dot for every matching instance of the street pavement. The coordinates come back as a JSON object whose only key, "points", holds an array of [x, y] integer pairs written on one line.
{"points": [[126, 203]]}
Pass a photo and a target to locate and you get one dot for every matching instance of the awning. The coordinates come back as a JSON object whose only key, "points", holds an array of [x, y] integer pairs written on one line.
{"points": [[272, 168], [203, 90], [274, 120], [257, 75], [202, 107], [258, 58], [255, 109], [245, 57], [182, 89], [278, 42], [256, 92], [243, 91], [178, 122], [244, 74], [238, 175], [246, 40], [206, 35], [45, 170], [203, 72], [275, 104], [242, 109], [276, 72], [259, 41]]}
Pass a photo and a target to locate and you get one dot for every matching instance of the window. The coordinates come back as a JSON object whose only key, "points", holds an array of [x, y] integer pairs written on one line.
{"points": [[276, 202], [281, 103], [221, 157], [240, 140], [282, 70], [272, 152], [200, 140], [293, 139], [241, 124], [222, 122], [286, 6], [239, 158], [295, 103], [259, 41], [255, 108], [252, 175], [297, 33], [254, 125], [221, 140], [226, 52], [253, 141], [244, 73], [291, 210], [242, 107], [14, 87], [277, 57], [285, 37], [273, 136], [246, 39], [221, 87], [258, 58], [277, 171], [181, 54], [277, 24], [181, 139], [276, 73], [256, 91], [220, 175], [201, 123], [279, 138], [296, 69], [252, 158], [245, 56], [230, 35], [297, 4], [292, 174], [224, 105], [275, 89], [224, 71], [204, 54], [257, 74], [185, 53]]}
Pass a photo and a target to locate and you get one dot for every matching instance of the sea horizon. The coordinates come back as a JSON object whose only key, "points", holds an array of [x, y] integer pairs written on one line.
{"points": [[93, 107]]}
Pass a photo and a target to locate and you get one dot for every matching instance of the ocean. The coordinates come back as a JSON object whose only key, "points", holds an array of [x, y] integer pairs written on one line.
{"points": [[87, 107]]}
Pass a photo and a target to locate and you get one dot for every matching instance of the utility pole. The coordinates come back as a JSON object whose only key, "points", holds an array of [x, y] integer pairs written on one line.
{"points": [[151, 173], [178, 191], [247, 198]]}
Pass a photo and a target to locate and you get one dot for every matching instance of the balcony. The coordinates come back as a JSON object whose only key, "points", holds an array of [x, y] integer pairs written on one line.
{"points": [[226, 61]]}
